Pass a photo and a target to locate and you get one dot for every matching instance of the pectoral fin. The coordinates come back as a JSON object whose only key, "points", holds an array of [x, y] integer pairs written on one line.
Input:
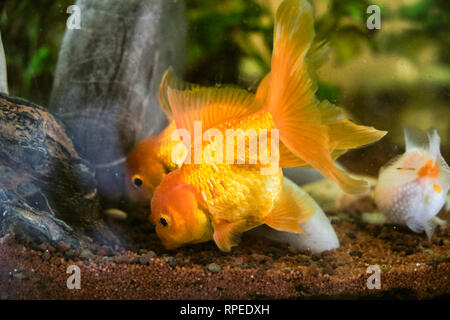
{"points": [[227, 234], [293, 207]]}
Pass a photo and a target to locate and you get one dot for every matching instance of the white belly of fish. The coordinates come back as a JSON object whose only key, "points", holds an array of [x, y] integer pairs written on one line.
{"points": [[413, 204]]}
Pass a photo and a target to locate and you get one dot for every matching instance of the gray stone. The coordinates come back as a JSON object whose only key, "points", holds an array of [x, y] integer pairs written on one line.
{"points": [[108, 76], [172, 262], [44, 184], [86, 255], [214, 268], [20, 276], [107, 259]]}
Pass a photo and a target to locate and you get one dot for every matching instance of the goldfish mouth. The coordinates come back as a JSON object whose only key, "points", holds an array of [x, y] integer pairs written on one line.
{"points": [[167, 240], [169, 244]]}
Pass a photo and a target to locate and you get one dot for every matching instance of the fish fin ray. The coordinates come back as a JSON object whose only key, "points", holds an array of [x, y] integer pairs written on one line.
{"points": [[170, 80], [263, 90], [211, 106], [415, 139], [291, 100], [289, 159], [318, 54], [227, 234], [330, 112], [345, 134], [293, 207], [444, 179], [434, 144]]}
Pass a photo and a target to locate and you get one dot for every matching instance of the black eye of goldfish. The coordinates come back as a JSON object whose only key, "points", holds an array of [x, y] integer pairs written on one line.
{"points": [[163, 222], [137, 182], [165, 168]]}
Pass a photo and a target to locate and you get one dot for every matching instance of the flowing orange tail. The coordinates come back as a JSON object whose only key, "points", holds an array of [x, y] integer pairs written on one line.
{"points": [[303, 121]]}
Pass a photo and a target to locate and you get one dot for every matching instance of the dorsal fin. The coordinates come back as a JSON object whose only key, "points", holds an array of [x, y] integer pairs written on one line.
{"points": [[211, 106], [434, 144], [170, 80], [415, 139]]}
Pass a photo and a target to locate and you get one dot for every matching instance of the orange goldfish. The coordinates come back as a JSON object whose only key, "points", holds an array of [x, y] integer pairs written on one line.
{"points": [[154, 157], [150, 161], [216, 200]]}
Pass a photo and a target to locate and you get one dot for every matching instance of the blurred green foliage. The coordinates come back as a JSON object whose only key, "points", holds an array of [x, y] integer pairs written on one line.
{"points": [[402, 69], [229, 41], [32, 32]]}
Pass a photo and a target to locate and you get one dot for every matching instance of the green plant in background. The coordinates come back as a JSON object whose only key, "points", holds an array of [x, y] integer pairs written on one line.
{"points": [[400, 70], [234, 38], [221, 39], [32, 32], [244, 29]]}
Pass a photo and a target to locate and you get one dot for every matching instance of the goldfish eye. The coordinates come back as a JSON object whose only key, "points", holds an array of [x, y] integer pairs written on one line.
{"points": [[137, 182], [163, 222], [166, 169]]}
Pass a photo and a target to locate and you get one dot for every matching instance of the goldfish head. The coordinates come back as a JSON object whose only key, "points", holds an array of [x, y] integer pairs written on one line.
{"points": [[144, 171], [177, 215]]}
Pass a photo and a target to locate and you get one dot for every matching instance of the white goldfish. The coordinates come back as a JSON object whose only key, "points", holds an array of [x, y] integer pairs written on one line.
{"points": [[412, 188]]}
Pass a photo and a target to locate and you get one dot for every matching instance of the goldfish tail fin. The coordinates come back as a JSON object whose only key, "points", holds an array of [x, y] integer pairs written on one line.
{"points": [[263, 90], [318, 54], [344, 134], [291, 98], [293, 207]]}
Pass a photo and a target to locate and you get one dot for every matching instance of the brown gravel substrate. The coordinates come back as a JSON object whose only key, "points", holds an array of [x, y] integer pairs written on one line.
{"points": [[412, 267]]}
